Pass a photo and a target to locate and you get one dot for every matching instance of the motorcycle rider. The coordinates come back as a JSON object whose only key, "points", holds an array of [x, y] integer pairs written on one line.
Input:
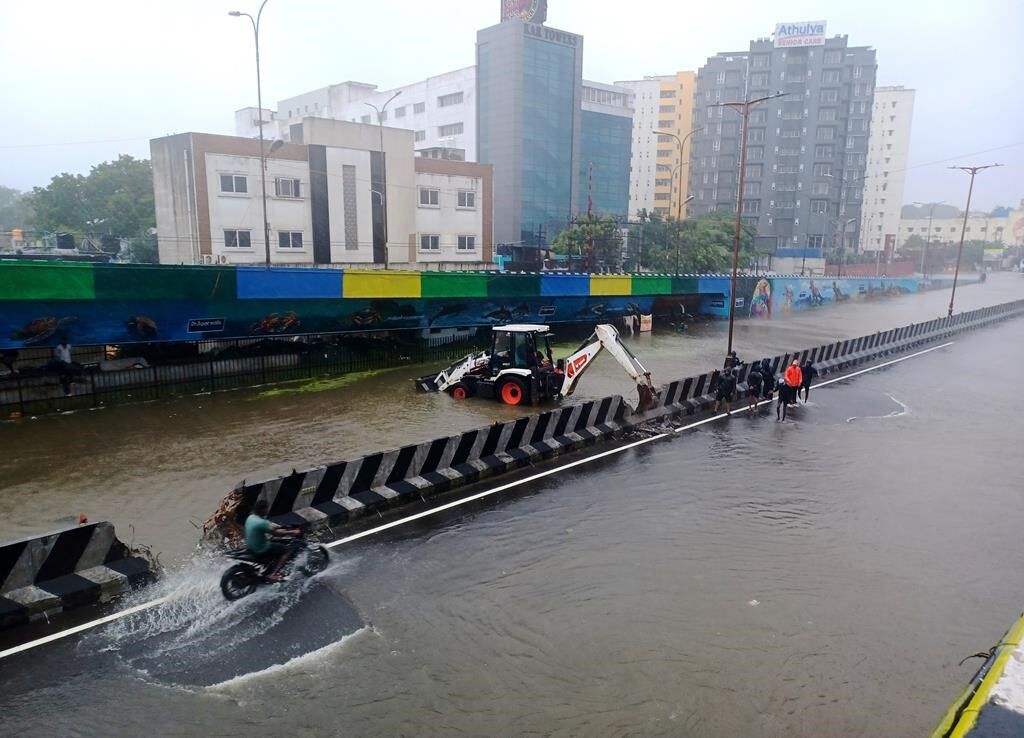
{"points": [[258, 541]]}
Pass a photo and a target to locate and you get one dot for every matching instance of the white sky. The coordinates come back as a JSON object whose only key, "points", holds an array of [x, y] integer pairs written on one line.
{"points": [[119, 72]]}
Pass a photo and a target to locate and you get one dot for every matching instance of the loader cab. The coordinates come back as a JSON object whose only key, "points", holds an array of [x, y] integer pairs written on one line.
{"points": [[523, 346]]}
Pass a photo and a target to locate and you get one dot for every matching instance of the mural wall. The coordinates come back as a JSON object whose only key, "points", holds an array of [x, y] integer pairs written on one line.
{"points": [[120, 303]]}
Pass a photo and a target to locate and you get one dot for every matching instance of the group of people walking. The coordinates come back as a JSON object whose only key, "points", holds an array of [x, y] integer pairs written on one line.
{"points": [[762, 384]]}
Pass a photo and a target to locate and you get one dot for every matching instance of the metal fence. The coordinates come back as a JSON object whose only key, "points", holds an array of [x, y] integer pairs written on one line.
{"points": [[222, 366]]}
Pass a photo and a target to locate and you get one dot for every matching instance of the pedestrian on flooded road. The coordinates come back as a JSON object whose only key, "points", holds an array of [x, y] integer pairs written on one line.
{"points": [[808, 373], [726, 389], [732, 361], [767, 380], [755, 382], [788, 389]]}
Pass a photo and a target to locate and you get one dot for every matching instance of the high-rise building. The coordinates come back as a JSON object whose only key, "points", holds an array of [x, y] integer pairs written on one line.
{"points": [[606, 133], [659, 182], [529, 95], [888, 152], [806, 151]]}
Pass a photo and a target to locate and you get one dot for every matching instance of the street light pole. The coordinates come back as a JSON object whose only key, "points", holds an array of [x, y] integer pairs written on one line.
{"points": [[259, 103], [679, 168], [745, 107], [931, 211], [383, 169], [963, 229]]}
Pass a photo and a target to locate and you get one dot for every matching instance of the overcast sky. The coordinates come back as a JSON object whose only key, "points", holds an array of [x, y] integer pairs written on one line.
{"points": [[82, 82]]}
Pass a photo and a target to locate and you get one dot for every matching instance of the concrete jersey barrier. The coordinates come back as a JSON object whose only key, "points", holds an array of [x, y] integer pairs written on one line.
{"points": [[340, 493], [44, 575]]}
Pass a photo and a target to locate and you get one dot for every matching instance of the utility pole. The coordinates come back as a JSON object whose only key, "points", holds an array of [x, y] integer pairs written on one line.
{"points": [[259, 104], [381, 112], [590, 216], [931, 211], [973, 171], [745, 107]]}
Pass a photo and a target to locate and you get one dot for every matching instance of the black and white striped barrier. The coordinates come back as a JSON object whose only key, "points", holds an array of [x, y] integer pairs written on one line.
{"points": [[44, 575], [340, 493]]}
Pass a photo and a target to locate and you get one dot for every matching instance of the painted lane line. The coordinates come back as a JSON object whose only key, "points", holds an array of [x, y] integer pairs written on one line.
{"points": [[462, 501]]}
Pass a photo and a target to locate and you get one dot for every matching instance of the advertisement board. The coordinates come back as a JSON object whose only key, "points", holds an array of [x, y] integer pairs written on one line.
{"points": [[526, 11], [804, 33]]}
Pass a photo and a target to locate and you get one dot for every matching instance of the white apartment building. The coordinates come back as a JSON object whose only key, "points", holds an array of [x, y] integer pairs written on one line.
{"points": [[886, 168], [643, 170], [324, 200], [998, 231], [440, 110]]}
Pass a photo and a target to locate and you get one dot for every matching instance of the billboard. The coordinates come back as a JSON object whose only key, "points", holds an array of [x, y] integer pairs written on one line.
{"points": [[805, 33], [527, 11]]}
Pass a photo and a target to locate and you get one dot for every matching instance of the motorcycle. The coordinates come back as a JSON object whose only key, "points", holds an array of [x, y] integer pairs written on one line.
{"points": [[243, 578]]}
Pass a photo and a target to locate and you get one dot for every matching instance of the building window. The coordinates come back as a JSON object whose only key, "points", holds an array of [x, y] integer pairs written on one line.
{"points": [[287, 187], [751, 207], [663, 183], [666, 123], [827, 114], [663, 195], [467, 243], [758, 116], [418, 108], [822, 170], [820, 188], [761, 61], [452, 129], [751, 189], [365, 119], [430, 197], [445, 101], [759, 79], [824, 151], [430, 242], [467, 199], [833, 57], [829, 96], [755, 153], [237, 183], [755, 135], [668, 93], [235, 239], [421, 135], [755, 170], [831, 76], [669, 109], [400, 112], [289, 239], [664, 152], [826, 133]]}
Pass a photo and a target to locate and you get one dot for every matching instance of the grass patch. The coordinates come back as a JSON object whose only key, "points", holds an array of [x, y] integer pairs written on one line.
{"points": [[321, 384]]}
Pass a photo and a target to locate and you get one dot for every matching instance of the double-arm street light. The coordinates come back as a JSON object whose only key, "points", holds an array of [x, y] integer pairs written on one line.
{"points": [[678, 168], [931, 211], [744, 109], [381, 112], [973, 171], [259, 103]]}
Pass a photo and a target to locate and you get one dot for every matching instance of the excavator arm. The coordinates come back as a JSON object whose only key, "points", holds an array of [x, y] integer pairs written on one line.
{"points": [[606, 337]]}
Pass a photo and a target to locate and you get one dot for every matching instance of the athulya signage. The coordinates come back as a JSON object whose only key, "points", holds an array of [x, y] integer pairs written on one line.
{"points": [[808, 33], [527, 11]]}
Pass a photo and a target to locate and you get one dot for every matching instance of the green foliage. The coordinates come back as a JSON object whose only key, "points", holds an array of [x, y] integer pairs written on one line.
{"points": [[115, 198], [703, 244], [14, 209], [596, 234]]}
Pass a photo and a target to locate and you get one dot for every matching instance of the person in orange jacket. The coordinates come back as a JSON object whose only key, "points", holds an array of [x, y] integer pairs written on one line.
{"points": [[791, 382]]}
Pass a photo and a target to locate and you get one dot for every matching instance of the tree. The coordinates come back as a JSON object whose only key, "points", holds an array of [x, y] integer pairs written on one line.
{"points": [[115, 198], [703, 244], [14, 209], [595, 238]]}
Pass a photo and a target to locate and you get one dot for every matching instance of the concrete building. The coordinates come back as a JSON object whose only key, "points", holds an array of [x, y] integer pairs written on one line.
{"points": [[324, 200], [606, 133], [659, 182], [997, 231], [888, 155], [440, 110], [529, 96], [806, 152]]}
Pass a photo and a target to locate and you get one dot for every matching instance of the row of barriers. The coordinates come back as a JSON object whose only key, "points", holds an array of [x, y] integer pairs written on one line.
{"points": [[339, 494]]}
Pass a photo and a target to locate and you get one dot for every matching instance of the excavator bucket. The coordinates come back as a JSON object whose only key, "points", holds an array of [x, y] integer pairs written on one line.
{"points": [[426, 383], [648, 398]]}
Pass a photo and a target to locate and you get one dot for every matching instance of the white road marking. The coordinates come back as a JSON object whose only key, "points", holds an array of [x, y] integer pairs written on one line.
{"points": [[462, 501]]}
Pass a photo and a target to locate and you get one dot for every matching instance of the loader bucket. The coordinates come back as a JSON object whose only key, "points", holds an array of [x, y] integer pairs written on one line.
{"points": [[426, 383], [648, 398]]}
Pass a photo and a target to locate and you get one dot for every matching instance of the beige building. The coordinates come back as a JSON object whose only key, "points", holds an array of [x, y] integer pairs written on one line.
{"points": [[1006, 231], [886, 171], [326, 200], [658, 173]]}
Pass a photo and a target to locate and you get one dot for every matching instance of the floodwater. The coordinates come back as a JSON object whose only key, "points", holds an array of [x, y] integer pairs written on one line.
{"points": [[748, 578]]}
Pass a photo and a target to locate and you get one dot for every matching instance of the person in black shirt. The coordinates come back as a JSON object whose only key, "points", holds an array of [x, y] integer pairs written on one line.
{"points": [[754, 383], [767, 379], [809, 372], [726, 389], [732, 361]]}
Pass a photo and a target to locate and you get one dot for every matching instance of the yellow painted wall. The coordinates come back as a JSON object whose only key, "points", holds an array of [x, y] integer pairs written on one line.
{"points": [[610, 285], [380, 284]]}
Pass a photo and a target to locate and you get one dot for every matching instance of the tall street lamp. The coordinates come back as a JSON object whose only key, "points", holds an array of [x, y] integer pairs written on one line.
{"points": [[678, 168], [381, 111], [963, 229], [259, 104], [842, 245], [931, 211], [743, 107]]}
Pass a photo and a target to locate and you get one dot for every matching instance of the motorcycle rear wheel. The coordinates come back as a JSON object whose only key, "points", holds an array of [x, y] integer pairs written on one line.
{"points": [[239, 581]]}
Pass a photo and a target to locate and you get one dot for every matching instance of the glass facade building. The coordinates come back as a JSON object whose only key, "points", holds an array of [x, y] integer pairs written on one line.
{"points": [[529, 125], [605, 146]]}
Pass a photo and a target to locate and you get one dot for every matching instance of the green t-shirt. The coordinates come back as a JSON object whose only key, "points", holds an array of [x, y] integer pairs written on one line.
{"points": [[257, 531]]}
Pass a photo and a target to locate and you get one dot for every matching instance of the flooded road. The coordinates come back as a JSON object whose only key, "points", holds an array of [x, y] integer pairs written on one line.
{"points": [[818, 578]]}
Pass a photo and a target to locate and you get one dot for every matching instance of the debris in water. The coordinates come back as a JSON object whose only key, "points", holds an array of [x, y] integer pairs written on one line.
{"points": [[753, 603]]}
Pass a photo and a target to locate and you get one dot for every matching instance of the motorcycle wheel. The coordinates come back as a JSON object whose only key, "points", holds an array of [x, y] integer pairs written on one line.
{"points": [[316, 560], [239, 581]]}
